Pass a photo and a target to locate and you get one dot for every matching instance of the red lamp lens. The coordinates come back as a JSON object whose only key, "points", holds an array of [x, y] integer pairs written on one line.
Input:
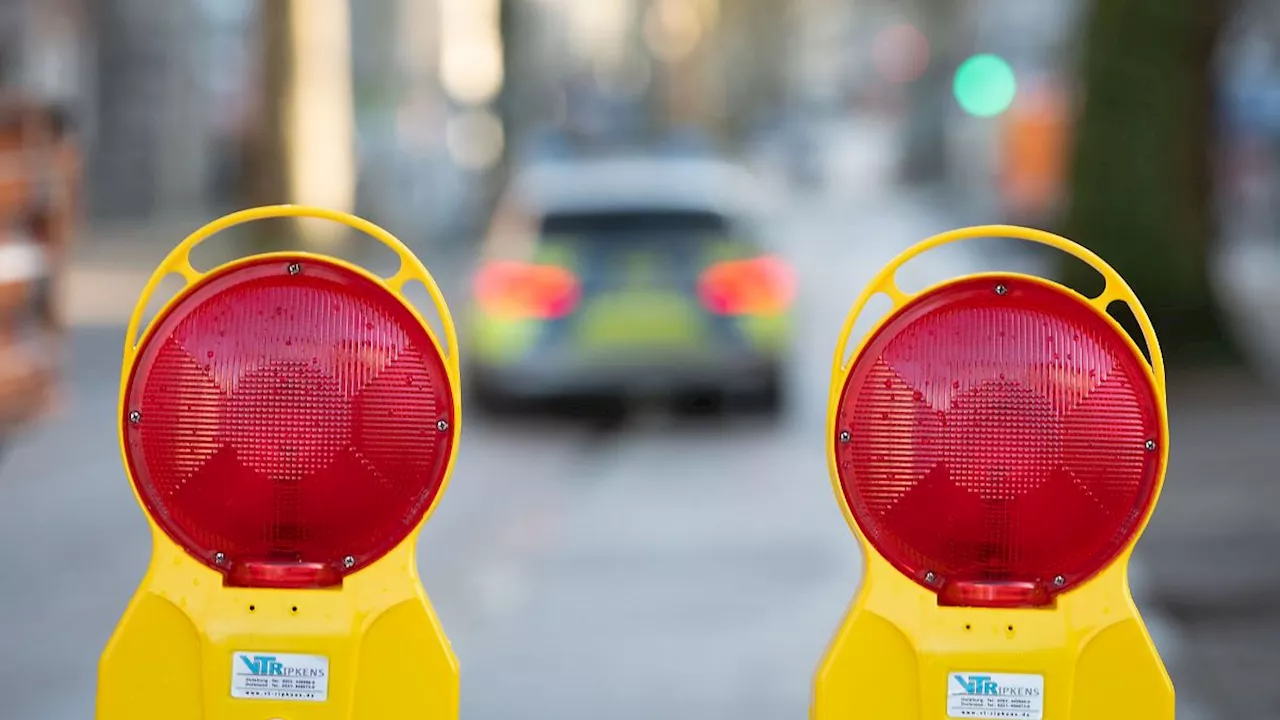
{"points": [[997, 442], [994, 594], [282, 575], [289, 427]]}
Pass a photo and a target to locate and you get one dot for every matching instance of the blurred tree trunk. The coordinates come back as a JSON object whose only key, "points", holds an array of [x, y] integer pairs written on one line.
{"points": [[925, 159], [1141, 187], [513, 29], [266, 179], [759, 35]]}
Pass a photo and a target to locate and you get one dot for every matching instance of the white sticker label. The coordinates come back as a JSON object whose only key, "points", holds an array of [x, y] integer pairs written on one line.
{"points": [[995, 696], [279, 676]]}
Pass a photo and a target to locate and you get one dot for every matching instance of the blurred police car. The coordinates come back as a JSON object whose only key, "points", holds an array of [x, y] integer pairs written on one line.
{"points": [[628, 276]]}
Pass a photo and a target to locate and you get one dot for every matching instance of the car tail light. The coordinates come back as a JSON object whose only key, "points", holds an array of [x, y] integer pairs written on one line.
{"points": [[520, 290], [996, 441], [755, 286], [288, 428]]}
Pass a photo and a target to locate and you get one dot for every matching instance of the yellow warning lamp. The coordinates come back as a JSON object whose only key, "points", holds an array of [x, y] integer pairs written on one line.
{"points": [[288, 422], [997, 443]]}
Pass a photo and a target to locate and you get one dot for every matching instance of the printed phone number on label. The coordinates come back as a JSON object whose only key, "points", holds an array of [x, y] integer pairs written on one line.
{"points": [[258, 683], [1013, 708], [278, 688]]}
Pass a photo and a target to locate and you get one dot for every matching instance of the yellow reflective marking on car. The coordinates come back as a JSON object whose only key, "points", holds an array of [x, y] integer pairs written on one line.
{"points": [[766, 332], [497, 339], [640, 320]]}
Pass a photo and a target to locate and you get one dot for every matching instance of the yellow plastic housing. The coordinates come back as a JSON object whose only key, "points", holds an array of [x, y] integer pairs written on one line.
{"points": [[171, 655], [892, 657]]}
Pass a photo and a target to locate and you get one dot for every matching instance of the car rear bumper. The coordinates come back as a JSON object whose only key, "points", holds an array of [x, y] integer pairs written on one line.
{"points": [[545, 378]]}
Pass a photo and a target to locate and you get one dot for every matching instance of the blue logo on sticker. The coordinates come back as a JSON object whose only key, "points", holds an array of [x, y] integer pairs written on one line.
{"points": [[978, 685], [984, 685], [263, 665]]}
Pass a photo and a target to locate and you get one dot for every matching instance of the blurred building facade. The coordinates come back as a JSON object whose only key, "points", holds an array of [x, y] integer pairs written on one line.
{"points": [[444, 93], [142, 83]]}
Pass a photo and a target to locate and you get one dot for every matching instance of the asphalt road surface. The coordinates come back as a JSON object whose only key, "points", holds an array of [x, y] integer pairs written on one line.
{"points": [[668, 568]]}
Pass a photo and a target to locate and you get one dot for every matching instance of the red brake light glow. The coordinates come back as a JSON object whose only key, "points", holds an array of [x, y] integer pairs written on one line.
{"points": [[996, 446], [522, 291], [757, 286], [290, 429]]}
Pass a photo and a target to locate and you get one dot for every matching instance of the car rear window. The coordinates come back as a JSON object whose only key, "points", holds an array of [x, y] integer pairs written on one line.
{"points": [[608, 225]]}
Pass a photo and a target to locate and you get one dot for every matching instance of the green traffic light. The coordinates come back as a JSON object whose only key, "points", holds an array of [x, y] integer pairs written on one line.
{"points": [[985, 85]]}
